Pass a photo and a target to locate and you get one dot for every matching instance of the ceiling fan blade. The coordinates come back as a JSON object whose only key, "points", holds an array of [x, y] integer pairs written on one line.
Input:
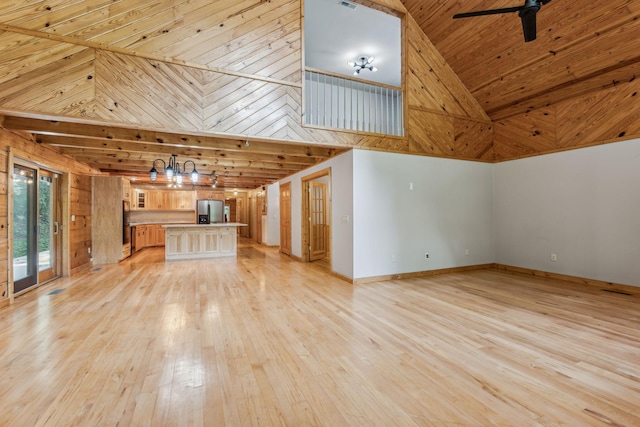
{"points": [[528, 18], [488, 12]]}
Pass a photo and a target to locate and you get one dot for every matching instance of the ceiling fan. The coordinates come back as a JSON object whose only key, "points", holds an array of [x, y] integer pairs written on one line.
{"points": [[527, 14]]}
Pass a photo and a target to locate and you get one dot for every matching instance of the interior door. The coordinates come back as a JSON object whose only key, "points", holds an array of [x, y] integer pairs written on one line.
{"points": [[285, 218], [25, 238], [318, 219], [48, 226]]}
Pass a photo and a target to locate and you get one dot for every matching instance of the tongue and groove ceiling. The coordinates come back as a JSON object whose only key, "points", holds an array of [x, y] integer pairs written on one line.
{"points": [[118, 83]]}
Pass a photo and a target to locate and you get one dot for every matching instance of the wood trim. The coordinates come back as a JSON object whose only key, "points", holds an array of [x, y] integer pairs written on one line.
{"points": [[305, 210], [112, 49], [65, 223], [627, 137], [341, 277], [10, 284], [635, 290], [425, 273], [320, 173], [342, 76]]}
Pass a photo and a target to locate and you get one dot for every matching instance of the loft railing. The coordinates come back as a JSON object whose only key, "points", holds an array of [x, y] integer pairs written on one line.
{"points": [[341, 103]]}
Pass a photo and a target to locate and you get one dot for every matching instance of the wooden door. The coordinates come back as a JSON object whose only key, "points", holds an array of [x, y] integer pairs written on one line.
{"points": [[285, 218], [318, 220]]}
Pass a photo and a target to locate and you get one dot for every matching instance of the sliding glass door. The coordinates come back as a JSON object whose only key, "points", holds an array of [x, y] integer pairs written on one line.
{"points": [[47, 226], [35, 226], [25, 238]]}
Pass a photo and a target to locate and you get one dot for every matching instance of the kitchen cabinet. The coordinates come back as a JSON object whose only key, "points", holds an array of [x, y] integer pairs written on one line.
{"points": [[139, 239], [182, 200], [148, 235], [201, 241], [209, 194], [139, 198], [154, 200]]}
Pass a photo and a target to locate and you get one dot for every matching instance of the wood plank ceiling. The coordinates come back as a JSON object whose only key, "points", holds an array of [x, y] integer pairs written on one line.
{"points": [[119, 83], [582, 47]]}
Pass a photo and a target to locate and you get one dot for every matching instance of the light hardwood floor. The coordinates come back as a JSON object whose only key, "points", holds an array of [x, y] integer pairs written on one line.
{"points": [[262, 340]]}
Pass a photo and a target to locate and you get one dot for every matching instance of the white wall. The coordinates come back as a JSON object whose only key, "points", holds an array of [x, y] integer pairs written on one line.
{"points": [[271, 223], [341, 211], [448, 211], [583, 205]]}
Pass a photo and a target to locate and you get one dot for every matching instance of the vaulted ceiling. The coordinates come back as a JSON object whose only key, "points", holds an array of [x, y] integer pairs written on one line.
{"points": [[582, 47], [118, 83]]}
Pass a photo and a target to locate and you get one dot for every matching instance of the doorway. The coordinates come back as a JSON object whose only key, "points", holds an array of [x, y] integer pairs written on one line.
{"points": [[35, 230], [316, 209]]}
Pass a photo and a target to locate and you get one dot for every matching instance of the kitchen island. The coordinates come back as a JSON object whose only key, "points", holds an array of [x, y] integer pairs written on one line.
{"points": [[192, 241]]}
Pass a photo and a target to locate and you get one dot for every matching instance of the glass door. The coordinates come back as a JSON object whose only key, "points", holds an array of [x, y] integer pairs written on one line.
{"points": [[25, 239], [48, 227]]}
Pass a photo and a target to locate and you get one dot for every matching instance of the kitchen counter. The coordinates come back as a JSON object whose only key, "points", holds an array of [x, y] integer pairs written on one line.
{"points": [[221, 224], [194, 241]]}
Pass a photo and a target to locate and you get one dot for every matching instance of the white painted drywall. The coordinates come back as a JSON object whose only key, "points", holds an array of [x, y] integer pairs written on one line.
{"points": [[582, 205], [448, 211], [341, 211], [271, 230]]}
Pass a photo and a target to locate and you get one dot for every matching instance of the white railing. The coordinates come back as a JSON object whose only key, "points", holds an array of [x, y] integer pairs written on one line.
{"points": [[338, 103]]}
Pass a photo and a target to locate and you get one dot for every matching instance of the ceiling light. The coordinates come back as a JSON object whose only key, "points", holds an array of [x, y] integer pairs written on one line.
{"points": [[172, 170], [362, 63]]}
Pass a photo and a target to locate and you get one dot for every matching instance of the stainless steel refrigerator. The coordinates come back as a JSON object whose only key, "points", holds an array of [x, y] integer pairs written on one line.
{"points": [[210, 211]]}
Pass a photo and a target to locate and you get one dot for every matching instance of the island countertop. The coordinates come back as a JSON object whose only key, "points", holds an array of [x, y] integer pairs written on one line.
{"points": [[220, 224]]}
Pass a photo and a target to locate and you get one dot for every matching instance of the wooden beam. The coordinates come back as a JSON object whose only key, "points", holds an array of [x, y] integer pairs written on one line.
{"points": [[72, 129]]}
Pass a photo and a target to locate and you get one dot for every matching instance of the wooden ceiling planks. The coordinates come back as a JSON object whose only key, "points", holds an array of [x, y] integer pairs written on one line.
{"points": [[584, 51]]}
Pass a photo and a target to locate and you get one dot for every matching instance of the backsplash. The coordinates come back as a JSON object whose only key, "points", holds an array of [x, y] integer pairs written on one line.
{"points": [[164, 217]]}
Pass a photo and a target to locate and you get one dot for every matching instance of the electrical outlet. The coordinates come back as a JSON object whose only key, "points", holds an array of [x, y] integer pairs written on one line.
{"points": [[426, 255], [554, 257], [89, 250], [466, 252], [411, 186], [394, 258]]}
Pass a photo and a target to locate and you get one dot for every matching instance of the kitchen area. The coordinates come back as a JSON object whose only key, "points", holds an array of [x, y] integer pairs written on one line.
{"points": [[199, 222]]}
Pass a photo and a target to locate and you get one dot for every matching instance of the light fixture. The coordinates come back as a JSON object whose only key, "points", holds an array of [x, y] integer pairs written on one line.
{"points": [[172, 171], [363, 63], [215, 181]]}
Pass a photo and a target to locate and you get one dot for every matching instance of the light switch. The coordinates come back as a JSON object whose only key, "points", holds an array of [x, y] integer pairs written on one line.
{"points": [[345, 218], [73, 217]]}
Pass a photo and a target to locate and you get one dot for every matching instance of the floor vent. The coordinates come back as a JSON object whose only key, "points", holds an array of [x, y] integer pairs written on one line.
{"points": [[613, 291], [57, 291], [97, 269]]}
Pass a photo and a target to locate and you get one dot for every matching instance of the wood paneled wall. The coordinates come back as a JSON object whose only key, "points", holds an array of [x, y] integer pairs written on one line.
{"points": [[156, 65], [604, 116], [80, 229], [23, 147]]}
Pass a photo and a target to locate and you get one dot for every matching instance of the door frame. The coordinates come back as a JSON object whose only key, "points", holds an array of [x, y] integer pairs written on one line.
{"points": [[62, 258], [305, 235]]}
